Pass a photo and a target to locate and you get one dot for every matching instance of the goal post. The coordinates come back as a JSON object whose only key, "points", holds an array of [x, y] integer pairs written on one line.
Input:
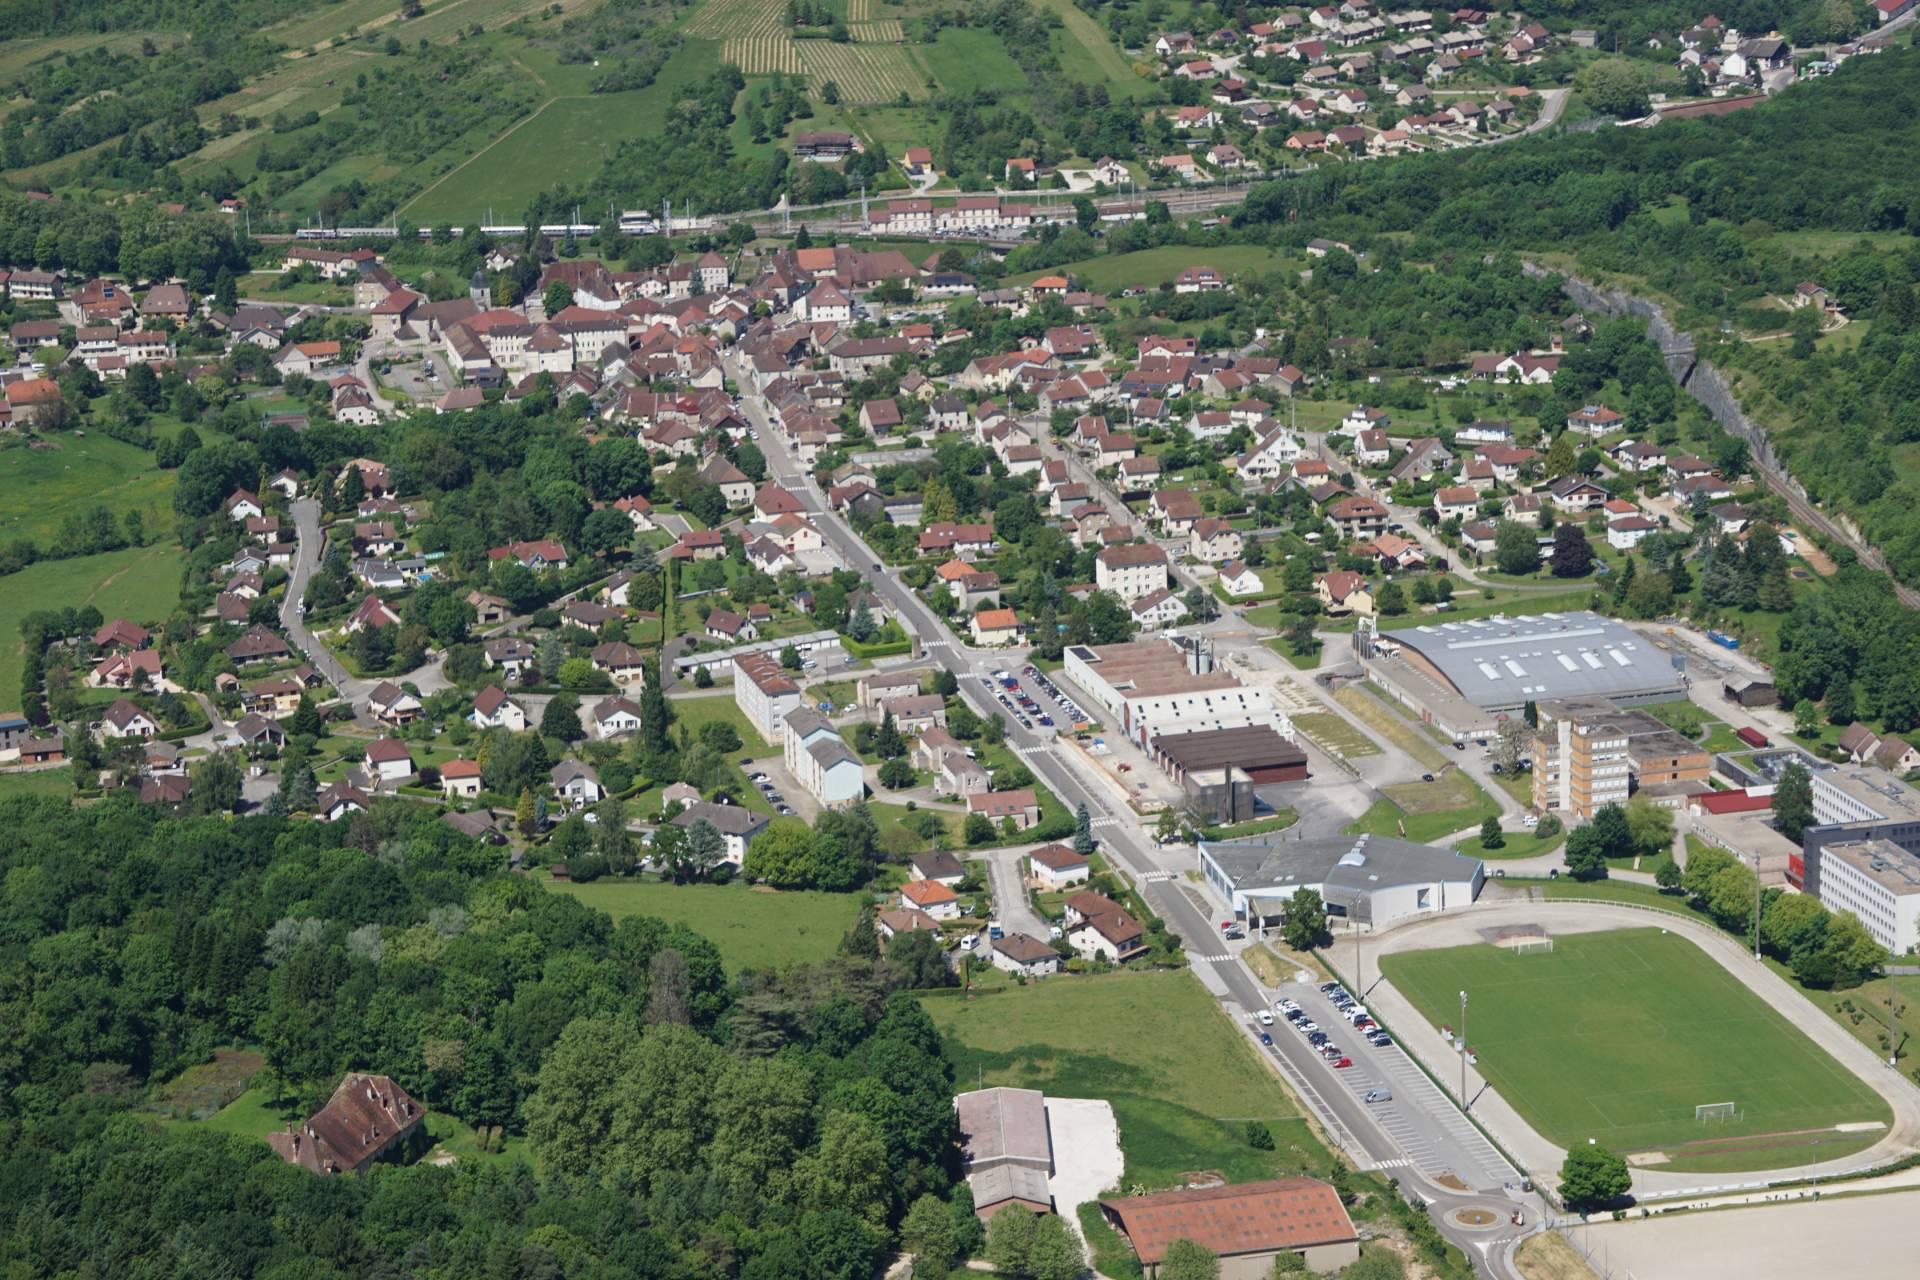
{"points": [[1529, 946], [1715, 1111]]}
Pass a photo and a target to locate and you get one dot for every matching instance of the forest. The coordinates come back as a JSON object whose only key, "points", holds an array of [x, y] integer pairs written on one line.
{"points": [[136, 945]]}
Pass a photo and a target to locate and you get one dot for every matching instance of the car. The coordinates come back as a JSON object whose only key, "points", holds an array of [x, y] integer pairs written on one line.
{"points": [[877, 569], [756, 777], [785, 812], [1294, 1015], [966, 943], [1380, 1040], [1047, 720], [1479, 742], [1426, 777], [1342, 1062], [1381, 1094], [1288, 1003], [1307, 1024], [1459, 746], [1266, 1040], [1329, 987], [1266, 1017], [1318, 1037]]}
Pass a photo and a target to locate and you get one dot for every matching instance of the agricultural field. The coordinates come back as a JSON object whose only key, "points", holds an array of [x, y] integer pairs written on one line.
{"points": [[1618, 1036], [1087, 54], [1183, 1083], [140, 583], [566, 139], [755, 928], [968, 59], [872, 67]]}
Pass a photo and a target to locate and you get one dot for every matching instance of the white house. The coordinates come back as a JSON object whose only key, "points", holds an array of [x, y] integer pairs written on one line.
{"points": [[1240, 581], [577, 782], [493, 709], [613, 717], [1057, 866]]}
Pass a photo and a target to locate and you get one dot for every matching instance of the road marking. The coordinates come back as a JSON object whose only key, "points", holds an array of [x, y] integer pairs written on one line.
{"points": [[1393, 1164], [1226, 959], [1160, 877]]}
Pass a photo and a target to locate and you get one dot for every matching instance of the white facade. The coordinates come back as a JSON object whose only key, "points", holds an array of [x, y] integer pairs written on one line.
{"points": [[765, 693], [1128, 580], [1879, 882]]}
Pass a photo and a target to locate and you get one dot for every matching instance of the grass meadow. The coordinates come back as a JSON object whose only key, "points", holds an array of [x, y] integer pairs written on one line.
{"points": [[754, 928], [1183, 1083], [140, 583]]}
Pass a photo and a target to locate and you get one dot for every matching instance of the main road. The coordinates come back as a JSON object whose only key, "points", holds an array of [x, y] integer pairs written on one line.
{"points": [[1344, 1115]]}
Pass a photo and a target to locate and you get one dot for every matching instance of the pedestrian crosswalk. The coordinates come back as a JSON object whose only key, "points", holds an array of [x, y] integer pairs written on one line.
{"points": [[1107, 822], [1402, 1163], [1226, 959], [1158, 877]]}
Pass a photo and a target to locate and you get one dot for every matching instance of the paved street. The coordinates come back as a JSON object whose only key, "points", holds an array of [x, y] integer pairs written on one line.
{"points": [[311, 547]]}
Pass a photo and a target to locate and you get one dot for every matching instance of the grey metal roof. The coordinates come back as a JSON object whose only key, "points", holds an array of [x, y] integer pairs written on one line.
{"points": [[1498, 661], [1355, 863]]}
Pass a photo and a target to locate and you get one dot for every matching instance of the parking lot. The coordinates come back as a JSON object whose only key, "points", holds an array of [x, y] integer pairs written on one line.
{"points": [[1033, 700], [782, 790], [1404, 1102]]}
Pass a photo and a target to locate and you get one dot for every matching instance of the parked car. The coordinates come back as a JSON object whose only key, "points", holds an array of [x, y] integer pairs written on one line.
{"points": [[1382, 1094], [1342, 1062]]}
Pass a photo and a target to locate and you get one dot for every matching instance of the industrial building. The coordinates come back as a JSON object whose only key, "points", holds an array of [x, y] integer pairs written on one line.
{"points": [[1589, 753], [1855, 803], [1367, 879], [1007, 1149], [1465, 677], [1218, 769], [1169, 685], [1245, 1226]]}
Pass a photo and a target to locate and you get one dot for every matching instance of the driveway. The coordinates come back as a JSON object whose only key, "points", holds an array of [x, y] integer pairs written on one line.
{"points": [[1011, 906], [1086, 1153]]}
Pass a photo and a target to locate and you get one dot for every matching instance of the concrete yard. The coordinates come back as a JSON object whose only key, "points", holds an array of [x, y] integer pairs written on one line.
{"points": [[1086, 1153], [1873, 1235]]}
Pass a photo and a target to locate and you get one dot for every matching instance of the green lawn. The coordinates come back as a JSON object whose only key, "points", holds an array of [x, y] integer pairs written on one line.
{"points": [[1426, 811], [251, 1115], [1183, 1083], [692, 714], [1516, 603], [754, 928], [1088, 55], [1150, 267], [140, 583], [42, 782], [1618, 1036], [39, 488]]}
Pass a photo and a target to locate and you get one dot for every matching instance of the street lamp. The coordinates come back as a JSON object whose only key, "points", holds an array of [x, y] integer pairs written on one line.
{"points": [[1464, 1104]]}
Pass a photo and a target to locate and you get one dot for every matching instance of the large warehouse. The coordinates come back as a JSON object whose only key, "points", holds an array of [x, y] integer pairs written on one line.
{"points": [[1464, 677], [1370, 879]]}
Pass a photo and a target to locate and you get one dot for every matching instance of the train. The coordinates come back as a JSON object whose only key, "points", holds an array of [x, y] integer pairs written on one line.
{"points": [[632, 223]]}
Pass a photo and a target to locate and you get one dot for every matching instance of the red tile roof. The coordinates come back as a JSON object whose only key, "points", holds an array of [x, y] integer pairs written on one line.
{"points": [[1255, 1217]]}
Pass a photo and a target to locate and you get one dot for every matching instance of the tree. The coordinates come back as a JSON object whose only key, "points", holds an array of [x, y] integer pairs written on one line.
{"points": [[978, 829], [1306, 924], [887, 740], [1491, 837], [561, 719], [860, 625], [1593, 1177], [1806, 718], [1514, 548], [896, 774], [1586, 854], [1649, 826], [1572, 556], [1667, 875], [1613, 87], [1085, 214], [216, 784], [705, 846], [789, 658], [1793, 801], [1392, 601], [1510, 744], [1082, 831], [928, 1232], [1034, 1247], [1185, 1260], [557, 298], [306, 719]]}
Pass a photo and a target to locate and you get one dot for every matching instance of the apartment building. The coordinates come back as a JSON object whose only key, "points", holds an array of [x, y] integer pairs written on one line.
{"points": [[1589, 753], [765, 693]]}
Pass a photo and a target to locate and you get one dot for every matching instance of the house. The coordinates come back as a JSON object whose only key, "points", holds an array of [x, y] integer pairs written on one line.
{"points": [[576, 782], [895, 921], [387, 760], [825, 765], [1098, 928], [620, 660], [1057, 866], [1021, 807], [1344, 592], [371, 613], [1158, 609], [125, 720], [1627, 532], [390, 704], [938, 866], [258, 645], [538, 555], [338, 800], [1358, 518], [937, 900], [1214, 541], [916, 713], [1455, 502], [126, 670], [32, 400], [460, 779], [167, 789], [1239, 580], [613, 717], [1199, 279], [1026, 955], [1595, 420], [737, 825], [1576, 493], [993, 627], [368, 1118]]}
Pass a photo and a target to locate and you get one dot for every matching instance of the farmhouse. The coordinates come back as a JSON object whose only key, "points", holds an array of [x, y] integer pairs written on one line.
{"points": [[1246, 1225]]}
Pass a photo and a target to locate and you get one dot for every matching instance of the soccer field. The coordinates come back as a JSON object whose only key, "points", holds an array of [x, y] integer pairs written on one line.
{"points": [[1618, 1036]]}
